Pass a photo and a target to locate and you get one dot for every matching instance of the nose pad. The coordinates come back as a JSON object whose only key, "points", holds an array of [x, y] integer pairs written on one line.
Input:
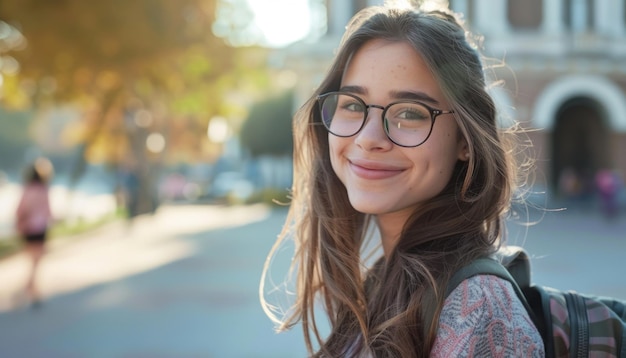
{"points": [[373, 134]]}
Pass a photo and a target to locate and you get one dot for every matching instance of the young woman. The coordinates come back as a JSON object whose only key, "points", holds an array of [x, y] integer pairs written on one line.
{"points": [[33, 217], [402, 134]]}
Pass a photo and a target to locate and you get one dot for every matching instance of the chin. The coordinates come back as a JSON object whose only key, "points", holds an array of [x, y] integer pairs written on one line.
{"points": [[368, 208]]}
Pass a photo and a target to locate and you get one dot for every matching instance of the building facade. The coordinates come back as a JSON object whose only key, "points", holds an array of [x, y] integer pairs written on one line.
{"points": [[562, 69], [563, 63]]}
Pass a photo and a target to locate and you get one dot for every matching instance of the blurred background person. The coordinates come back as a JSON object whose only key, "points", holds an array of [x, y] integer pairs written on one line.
{"points": [[33, 219], [608, 185]]}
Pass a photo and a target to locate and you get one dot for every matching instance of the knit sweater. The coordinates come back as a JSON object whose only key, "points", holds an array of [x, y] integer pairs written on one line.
{"points": [[482, 317]]}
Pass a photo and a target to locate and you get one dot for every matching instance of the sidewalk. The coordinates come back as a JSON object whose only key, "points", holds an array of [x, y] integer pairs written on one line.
{"points": [[576, 250], [184, 283], [120, 249]]}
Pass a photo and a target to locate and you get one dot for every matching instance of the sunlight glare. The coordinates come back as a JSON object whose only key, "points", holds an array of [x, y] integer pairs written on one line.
{"points": [[282, 21]]}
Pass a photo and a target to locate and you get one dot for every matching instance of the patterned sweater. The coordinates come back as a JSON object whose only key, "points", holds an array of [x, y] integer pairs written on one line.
{"points": [[483, 317]]}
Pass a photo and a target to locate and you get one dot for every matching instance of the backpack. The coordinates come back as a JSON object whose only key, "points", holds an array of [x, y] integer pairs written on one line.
{"points": [[571, 324]]}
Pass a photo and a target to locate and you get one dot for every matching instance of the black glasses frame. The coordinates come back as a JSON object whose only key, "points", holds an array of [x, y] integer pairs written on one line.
{"points": [[434, 112]]}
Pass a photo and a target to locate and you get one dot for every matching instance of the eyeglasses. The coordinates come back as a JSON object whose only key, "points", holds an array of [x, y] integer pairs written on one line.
{"points": [[406, 123]]}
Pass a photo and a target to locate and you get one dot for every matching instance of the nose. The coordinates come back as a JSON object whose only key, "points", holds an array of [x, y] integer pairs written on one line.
{"points": [[372, 136]]}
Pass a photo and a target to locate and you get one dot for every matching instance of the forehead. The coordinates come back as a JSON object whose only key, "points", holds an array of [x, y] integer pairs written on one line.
{"points": [[385, 66]]}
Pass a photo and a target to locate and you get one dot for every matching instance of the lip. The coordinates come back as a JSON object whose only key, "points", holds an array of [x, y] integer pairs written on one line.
{"points": [[367, 169]]}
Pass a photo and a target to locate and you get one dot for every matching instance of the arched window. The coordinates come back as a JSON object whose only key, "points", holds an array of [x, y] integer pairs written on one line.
{"points": [[525, 15]]}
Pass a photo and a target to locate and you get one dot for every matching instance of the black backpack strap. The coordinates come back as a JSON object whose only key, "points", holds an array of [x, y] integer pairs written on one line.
{"points": [[516, 261], [489, 266], [511, 263], [483, 266]]}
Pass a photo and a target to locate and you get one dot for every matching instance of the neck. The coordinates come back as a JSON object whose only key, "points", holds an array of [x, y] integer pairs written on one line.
{"points": [[390, 227]]}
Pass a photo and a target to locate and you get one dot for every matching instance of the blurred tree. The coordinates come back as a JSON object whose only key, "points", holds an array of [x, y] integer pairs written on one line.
{"points": [[147, 75], [14, 139], [267, 131], [235, 23]]}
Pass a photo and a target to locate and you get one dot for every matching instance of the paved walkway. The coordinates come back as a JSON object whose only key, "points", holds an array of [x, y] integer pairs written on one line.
{"points": [[184, 283]]}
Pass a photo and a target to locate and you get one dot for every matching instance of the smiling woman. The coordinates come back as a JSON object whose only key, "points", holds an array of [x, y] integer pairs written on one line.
{"points": [[401, 138]]}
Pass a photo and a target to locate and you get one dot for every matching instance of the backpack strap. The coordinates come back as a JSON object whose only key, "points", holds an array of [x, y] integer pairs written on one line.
{"points": [[483, 266], [489, 266], [517, 263], [510, 263]]}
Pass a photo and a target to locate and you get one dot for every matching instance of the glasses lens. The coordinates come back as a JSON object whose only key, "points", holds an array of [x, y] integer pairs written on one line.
{"points": [[342, 114], [408, 124]]}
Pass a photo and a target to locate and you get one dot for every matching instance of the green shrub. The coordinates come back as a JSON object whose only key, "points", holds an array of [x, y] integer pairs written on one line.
{"points": [[271, 196]]}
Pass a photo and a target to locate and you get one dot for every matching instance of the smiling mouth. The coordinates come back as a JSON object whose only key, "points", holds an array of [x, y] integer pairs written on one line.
{"points": [[374, 171]]}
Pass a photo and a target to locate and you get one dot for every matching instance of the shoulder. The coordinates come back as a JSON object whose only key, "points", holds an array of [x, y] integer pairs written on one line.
{"points": [[484, 317], [486, 296]]}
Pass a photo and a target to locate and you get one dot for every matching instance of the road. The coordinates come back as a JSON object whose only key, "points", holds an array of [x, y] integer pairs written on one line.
{"points": [[184, 283]]}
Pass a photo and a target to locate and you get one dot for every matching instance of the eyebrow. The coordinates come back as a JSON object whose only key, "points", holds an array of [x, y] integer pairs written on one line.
{"points": [[399, 95]]}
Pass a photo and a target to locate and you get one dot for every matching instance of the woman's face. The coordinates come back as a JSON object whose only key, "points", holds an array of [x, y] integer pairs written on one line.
{"points": [[380, 177]]}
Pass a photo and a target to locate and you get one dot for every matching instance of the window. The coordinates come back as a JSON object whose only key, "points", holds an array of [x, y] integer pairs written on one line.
{"points": [[525, 15], [578, 15]]}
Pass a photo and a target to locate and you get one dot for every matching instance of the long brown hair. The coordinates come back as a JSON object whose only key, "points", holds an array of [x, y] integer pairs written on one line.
{"points": [[390, 310]]}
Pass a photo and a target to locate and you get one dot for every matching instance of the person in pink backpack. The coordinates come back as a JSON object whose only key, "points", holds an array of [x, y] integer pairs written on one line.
{"points": [[33, 218]]}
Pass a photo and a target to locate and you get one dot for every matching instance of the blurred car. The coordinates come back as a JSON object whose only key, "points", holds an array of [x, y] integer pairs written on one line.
{"points": [[176, 187], [231, 185]]}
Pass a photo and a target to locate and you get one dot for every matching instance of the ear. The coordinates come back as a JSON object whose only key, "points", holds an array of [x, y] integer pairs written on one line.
{"points": [[463, 149]]}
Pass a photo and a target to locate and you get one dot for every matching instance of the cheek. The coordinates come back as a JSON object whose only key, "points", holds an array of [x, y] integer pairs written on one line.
{"points": [[444, 154]]}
